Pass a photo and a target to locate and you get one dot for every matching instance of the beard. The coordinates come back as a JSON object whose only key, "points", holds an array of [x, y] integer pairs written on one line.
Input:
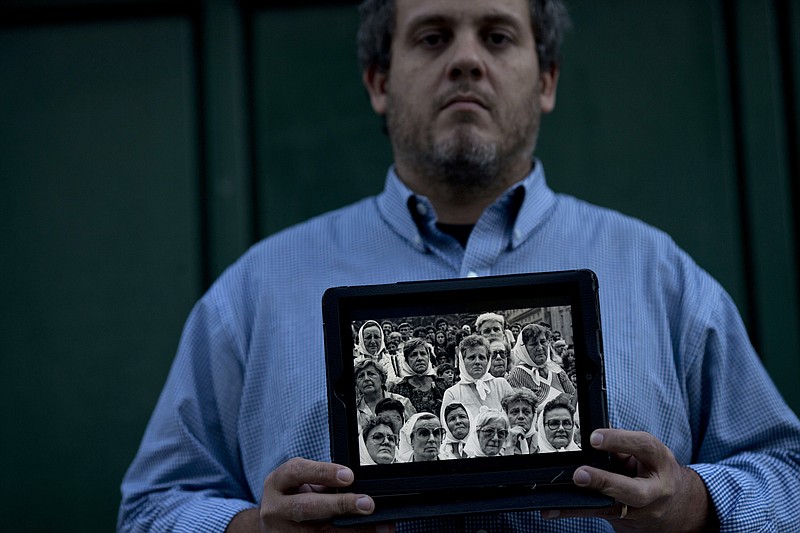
{"points": [[464, 160]]}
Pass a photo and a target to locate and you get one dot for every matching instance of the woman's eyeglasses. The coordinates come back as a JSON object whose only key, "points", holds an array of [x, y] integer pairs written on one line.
{"points": [[553, 425], [424, 433], [378, 438], [488, 433], [499, 353]]}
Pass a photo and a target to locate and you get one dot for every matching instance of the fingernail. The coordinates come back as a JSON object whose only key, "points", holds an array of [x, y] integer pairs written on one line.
{"points": [[596, 439], [547, 515], [344, 475], [364, 504], [581, 477]]}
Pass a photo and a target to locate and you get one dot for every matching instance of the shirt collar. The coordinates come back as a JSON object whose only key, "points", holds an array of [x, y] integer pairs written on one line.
{"points": [[525, 204]]}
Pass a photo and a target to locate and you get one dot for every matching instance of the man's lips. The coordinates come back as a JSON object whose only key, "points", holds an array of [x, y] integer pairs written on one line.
{"points": [[464, 102]]}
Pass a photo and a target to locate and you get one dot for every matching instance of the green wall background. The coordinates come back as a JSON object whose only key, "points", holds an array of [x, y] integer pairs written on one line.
{"points": [[144, 145]]}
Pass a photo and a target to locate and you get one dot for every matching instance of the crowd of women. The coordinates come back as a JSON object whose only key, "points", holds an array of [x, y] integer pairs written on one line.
{"points": [[487, 399]]}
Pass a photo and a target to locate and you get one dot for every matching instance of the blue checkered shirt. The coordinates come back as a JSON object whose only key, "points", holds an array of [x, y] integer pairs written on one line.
{"points": [[247, 389]]}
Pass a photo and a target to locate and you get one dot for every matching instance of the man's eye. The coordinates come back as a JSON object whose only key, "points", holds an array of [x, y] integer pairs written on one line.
{"points": [[434, 39], [497, 38]]}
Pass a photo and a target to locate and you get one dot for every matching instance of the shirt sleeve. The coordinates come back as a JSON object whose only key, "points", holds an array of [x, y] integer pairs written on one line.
{"points": [[747, 438], [187, 475]]}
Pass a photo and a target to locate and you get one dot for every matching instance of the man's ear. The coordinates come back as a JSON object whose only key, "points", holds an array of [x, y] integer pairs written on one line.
{"points": [[375, 82], [549, 83]]}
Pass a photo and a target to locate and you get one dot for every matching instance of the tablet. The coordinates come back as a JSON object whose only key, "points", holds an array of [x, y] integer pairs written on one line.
{"points": [[488, 438]]}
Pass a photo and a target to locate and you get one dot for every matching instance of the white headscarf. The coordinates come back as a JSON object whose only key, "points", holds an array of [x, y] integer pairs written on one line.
{"points": [[481, 383], [521, 353], [363, 452], [544, 444], [362, 349], [406, 369], [484, 416], [449, 438], [406, 452]]}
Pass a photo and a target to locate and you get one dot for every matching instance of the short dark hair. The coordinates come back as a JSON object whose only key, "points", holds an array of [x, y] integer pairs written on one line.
{"points": [[560, 401], [549, 20], [411, 344], [390, 404], [444, 367], [373, 422], [473, 341]]}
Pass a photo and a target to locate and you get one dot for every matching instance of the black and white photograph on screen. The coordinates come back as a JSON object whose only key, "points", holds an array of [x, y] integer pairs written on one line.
{"points": [[465, 385]]}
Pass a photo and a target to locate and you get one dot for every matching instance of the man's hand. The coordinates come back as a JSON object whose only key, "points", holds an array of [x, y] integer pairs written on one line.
{"points": [[659, 493], [297, 497]]}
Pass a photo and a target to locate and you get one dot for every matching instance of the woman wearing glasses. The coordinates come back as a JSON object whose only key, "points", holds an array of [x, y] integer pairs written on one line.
{"points": [[378, 445], [421, 439], [556, 427], [490, 436]]}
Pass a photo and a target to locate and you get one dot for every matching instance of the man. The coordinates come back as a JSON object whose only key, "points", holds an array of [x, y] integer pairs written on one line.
{"points": [[462, 86]]}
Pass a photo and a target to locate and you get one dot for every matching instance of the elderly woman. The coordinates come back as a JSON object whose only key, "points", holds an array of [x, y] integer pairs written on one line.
{"points": [[421, 439], [477, 386], [521, 410], [419, 385], [556, 427], [371, 345], [535, 370], [370, 380], [378, 443], [490, 435], [456, 428], [499, 358]]}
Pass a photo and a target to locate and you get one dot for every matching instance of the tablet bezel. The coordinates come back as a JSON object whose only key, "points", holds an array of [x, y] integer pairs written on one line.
{"points": [[344, 305]]}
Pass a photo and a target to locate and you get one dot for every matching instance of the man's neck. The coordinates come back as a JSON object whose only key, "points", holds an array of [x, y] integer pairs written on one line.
{"points": [[458, 203]]}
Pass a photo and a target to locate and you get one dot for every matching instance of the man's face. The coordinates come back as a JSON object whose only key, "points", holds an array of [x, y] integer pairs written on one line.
{"points": [[405, 332], [491, 330], [463, 94]]}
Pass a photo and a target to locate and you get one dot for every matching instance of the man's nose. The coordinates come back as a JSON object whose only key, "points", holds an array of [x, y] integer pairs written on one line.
{"points": [[466, 59]]}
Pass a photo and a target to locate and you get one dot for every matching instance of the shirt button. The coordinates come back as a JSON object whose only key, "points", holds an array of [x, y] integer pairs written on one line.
{"points": [[472, 274], [421, 209]]}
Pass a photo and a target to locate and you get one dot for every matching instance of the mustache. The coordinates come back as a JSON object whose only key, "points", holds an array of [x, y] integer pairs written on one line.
{"points": [[463, 91]]}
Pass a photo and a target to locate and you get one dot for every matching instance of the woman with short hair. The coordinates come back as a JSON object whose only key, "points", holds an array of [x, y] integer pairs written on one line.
{"points": [[378, 442], [521, 410], [370, 378]]}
